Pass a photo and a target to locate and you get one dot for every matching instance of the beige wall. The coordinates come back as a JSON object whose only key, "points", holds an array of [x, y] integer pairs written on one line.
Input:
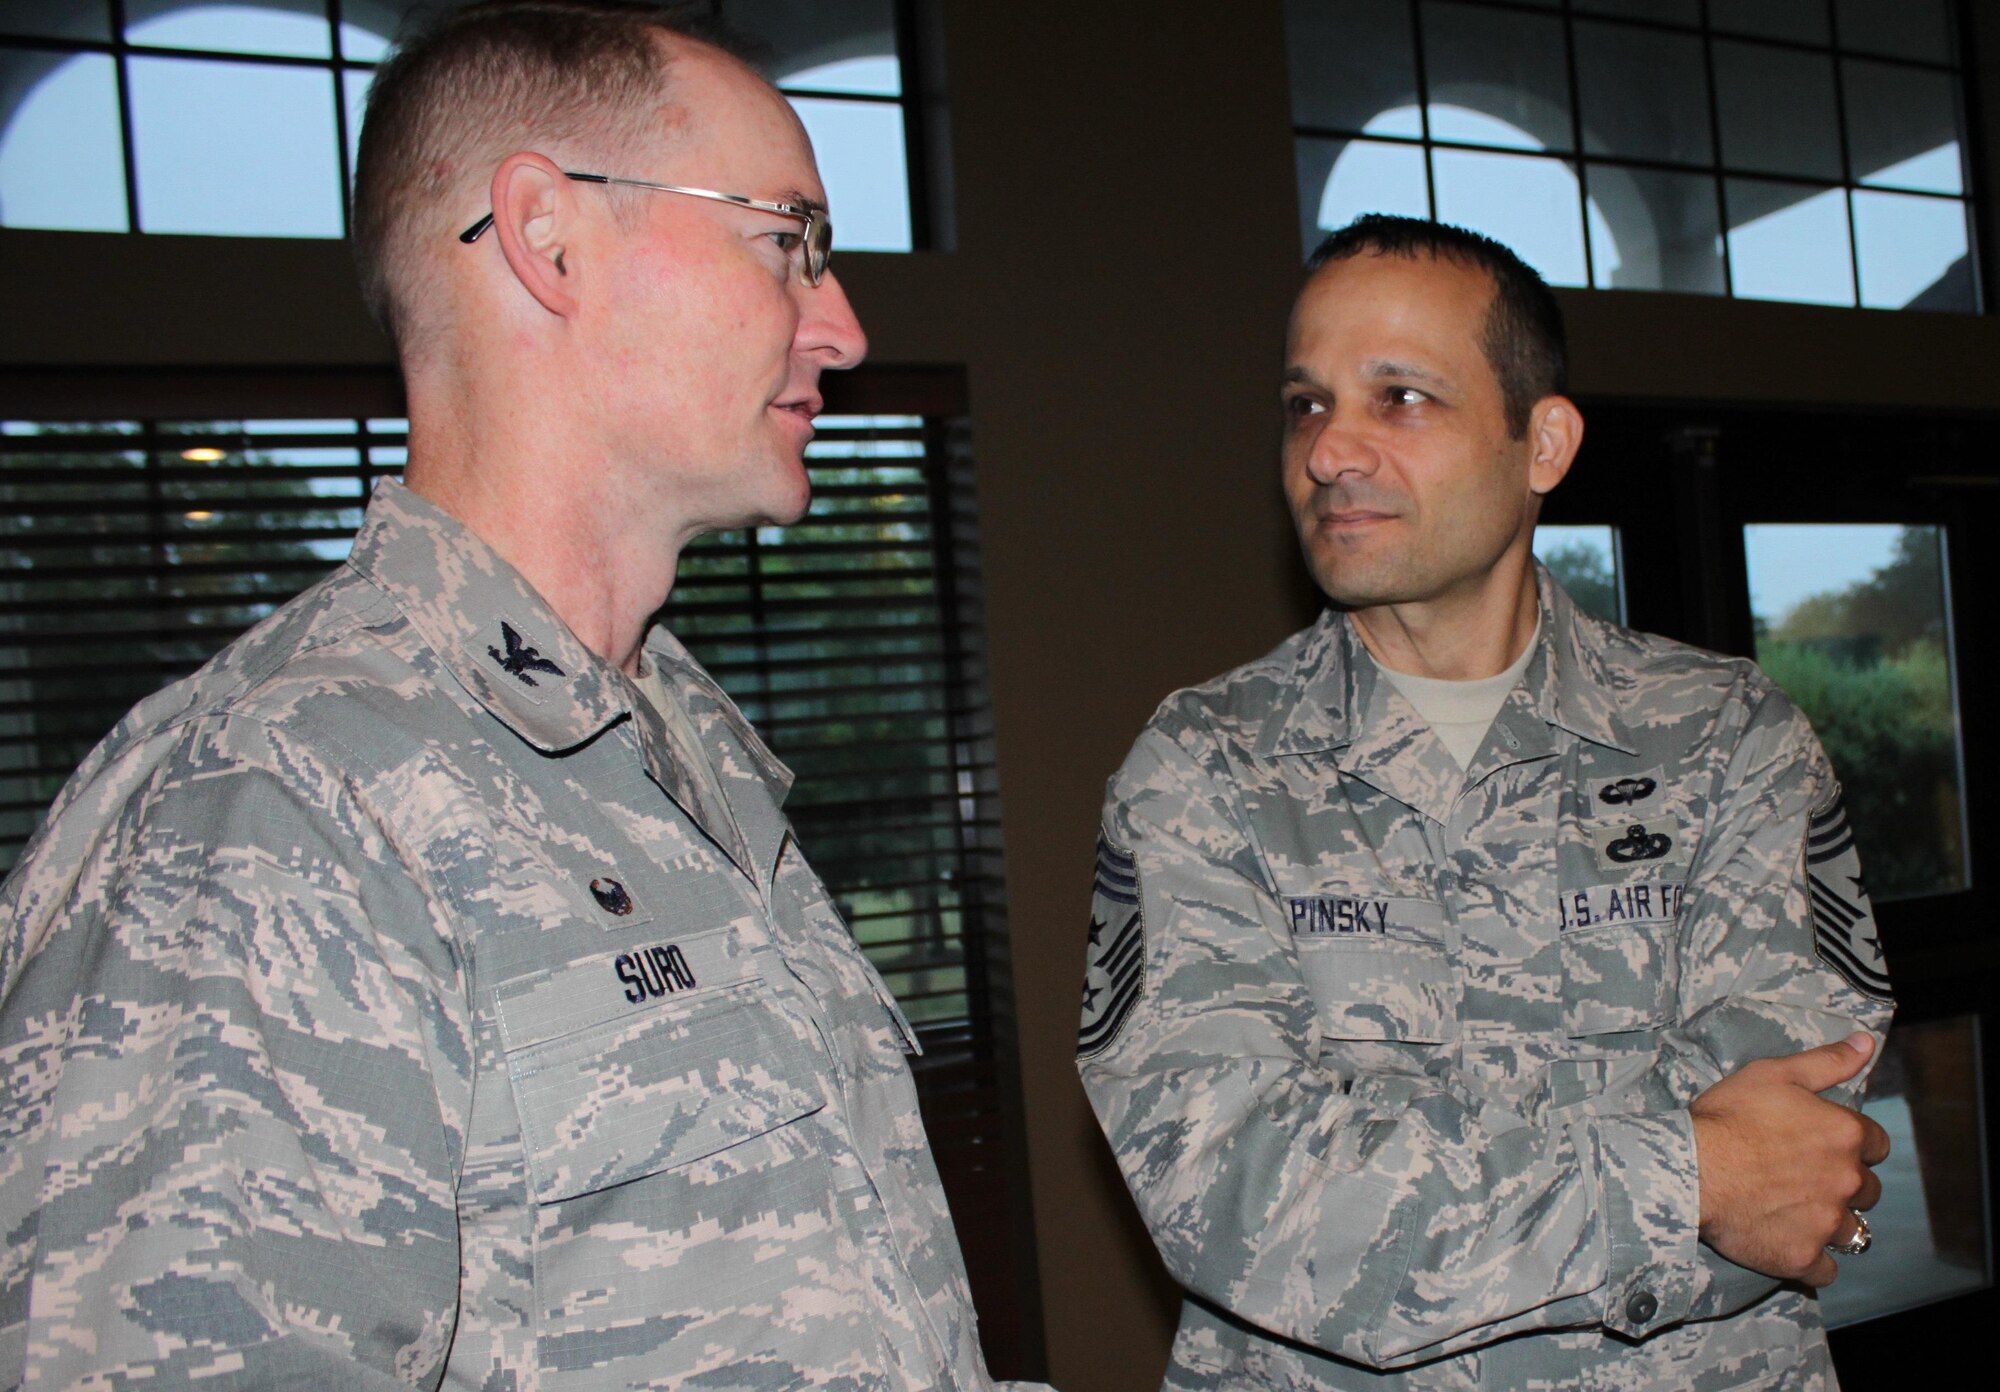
{"points": [[1126, 254]]}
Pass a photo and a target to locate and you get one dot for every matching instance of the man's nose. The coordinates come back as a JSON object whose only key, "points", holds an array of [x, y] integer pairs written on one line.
{"points": [[1339, 449], [828, 329]]}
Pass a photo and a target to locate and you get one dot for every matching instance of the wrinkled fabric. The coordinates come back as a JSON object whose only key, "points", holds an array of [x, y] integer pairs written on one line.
{"points": [[386, 1005], [1396, 1056]]}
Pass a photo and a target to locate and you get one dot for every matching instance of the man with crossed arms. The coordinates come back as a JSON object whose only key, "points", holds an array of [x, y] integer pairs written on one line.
{"points": [[1463, 974]]}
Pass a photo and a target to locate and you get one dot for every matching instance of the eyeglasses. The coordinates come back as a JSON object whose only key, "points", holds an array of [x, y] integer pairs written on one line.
{"points": [[816, 241]]}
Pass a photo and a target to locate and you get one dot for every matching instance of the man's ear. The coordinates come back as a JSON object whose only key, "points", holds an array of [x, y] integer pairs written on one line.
{"points": [[1555, 431], [535, 216]]}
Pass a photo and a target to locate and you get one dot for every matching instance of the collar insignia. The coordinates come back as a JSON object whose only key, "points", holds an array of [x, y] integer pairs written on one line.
{"points": [[520, 659]]}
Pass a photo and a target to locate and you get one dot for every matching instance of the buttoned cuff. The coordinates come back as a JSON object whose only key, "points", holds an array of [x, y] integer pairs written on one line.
{"points": [[1649, 1211]]}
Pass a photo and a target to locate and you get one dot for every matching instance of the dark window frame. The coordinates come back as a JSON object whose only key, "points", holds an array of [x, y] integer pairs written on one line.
{"points": [[1971, 199]]}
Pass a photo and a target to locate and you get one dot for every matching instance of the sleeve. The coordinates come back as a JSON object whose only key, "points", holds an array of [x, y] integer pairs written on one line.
{"points": [[1778, 945], [1336, 1193], [232, 1070]]}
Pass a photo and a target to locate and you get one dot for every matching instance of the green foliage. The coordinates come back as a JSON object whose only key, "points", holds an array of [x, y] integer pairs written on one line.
{"points": [[1869, 665], [1581, 570]]}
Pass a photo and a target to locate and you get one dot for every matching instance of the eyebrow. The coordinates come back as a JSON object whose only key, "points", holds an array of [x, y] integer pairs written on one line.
{"points": [[1375, 369], [1382, 367], [802, 200]]}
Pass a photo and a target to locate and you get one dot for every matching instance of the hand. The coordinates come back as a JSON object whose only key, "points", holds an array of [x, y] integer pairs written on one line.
{"points": [[1781, 1167]]}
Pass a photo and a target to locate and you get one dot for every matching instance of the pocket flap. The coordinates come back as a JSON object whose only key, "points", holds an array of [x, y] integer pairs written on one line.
{"points": [[701, 1060], [1380, 988], [1619, 977]]}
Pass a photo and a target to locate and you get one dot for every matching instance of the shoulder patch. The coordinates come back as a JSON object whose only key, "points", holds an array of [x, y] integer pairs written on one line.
{"points": [[1117, 966], [1844, 932]]}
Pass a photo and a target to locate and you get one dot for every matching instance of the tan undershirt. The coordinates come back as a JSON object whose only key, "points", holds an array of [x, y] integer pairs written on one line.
{"points": [[1461, 712], [681, 735]]}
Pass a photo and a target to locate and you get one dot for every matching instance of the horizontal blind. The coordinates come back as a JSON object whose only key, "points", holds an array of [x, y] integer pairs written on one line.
{"points": [[131, 551], [844, 639]]}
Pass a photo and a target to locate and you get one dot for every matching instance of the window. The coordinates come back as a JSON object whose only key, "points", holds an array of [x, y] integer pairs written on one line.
{"points": [[242, 119], [1808, 151], [132, 550], [1584, 561]]}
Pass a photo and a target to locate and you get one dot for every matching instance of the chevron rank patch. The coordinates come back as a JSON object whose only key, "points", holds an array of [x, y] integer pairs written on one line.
{"points": [[1117, 950], [1844, 932]]}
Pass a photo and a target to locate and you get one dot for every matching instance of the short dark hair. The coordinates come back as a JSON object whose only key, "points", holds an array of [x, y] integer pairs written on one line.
{"points": [[468, 86], [1524, 337]]}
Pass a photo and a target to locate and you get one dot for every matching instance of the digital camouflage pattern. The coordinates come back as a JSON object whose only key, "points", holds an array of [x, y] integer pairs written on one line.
{"points": [[1406, 1067], [385, 1006]]}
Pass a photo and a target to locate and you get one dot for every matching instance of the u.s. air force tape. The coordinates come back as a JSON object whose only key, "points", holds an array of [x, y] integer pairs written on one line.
{"points": [[1117, 967]]}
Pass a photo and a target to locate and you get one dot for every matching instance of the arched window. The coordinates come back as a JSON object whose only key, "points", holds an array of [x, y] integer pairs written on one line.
{"points": [[242, 119], [1754, 150], [1528, 203]]}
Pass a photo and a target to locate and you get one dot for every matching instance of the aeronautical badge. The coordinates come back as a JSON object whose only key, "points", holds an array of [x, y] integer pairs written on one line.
{"points": [[1844, 932], [1117, 950], [1634, 842], [1623, 792]]}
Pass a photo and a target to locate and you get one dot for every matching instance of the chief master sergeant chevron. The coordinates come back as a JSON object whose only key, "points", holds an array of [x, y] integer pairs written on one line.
{"points": [[1463, 973], [429, 991]]}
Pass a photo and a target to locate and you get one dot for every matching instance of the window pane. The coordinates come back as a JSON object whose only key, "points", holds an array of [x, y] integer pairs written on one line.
{"points": [[1507, 67], [849, 47], [294, 27], [1665, 231], [368, 27], [354, 91], [72, 19], [62, 162], [1913, 252], [1776, 109], [1902, 127], [235, 148], [1672, 11], [1530, 204], [1900, 28], [878, 76], [859, 146], [1852, 622], [1584, 561], [1339, 180], [1644, 94], [1789, 243], [1802, 21], [1350, 60], [1925, 1094]]}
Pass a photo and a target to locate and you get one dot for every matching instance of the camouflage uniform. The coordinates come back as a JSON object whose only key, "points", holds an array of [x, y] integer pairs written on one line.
{"points": [[385, 1006], [1396, 1057]]}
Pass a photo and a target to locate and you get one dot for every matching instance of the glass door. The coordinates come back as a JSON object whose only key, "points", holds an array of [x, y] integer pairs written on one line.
{"points": [[1853, 558]]}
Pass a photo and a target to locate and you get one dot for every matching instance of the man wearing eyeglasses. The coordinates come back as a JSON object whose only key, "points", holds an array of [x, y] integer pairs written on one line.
{"points": [[429, 991], [1463, 975]]}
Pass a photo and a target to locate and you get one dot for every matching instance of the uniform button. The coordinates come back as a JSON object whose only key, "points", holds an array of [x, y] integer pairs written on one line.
{"points": [[1641, 1308]]}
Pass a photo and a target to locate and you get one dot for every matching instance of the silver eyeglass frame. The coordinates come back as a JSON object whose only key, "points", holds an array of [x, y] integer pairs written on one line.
{"points": [[816, 241]]}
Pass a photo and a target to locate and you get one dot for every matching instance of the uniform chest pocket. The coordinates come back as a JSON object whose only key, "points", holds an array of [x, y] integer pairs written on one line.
{"points": [[631, 1063], [1621, 971], [1377, 968]]}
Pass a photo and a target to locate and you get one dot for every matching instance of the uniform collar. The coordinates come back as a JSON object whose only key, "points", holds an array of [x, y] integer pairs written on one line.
{"points": [[751, 779], [552, 690], [1341, 701], [486, 623]]}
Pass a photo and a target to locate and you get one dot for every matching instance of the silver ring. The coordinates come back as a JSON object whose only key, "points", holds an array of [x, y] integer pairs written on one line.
{"points": [[1857, 1244]]}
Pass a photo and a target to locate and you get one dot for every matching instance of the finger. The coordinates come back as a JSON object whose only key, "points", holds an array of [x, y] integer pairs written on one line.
{"points": [[1868, 1195], [1874, 1141], [1827, 1066], [1821, 1272]]}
